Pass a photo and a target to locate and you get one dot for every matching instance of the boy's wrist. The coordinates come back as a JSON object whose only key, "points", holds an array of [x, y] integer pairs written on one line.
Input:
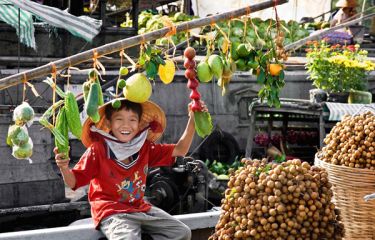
{"points": [[63, 168]]}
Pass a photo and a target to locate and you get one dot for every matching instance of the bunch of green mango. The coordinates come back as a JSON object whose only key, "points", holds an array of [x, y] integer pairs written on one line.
{"points": [[259, 34]]}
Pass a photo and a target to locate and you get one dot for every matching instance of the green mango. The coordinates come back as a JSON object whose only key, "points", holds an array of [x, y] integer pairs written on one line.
{"points": [[203, 123], [241, 64], [216, 65], [204, 72], [243, 50]]}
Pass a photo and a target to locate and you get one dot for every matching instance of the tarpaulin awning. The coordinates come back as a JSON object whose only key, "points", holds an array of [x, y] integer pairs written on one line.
{"points": [[25, 29], [83, 27], [338, 110]]}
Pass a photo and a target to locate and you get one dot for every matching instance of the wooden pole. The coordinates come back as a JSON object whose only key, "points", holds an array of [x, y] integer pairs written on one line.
{"points": [[303, 41], [129, 42]]}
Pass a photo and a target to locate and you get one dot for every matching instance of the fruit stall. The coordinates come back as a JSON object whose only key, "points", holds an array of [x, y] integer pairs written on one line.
{"points": [[232, 59]]}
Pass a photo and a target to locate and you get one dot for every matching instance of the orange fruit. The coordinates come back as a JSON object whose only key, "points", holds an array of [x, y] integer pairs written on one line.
{"points": [[275, 69]]}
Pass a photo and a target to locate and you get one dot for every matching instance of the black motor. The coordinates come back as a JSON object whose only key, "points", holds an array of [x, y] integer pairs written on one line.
{"points": [[179, 189]]}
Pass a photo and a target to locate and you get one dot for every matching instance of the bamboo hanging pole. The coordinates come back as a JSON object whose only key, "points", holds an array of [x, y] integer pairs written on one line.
{"points": [[129, 42]]}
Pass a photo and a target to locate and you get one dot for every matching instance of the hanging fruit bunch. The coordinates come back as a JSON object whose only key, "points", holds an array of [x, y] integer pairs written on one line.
{"points": [[18, 137], [219, 66], [137, 88], [270, 72], [291, 200], [120, 85], [203, 122], [244, 52]]}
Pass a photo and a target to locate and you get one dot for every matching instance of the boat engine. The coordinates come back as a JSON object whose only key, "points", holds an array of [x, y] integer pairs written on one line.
{"points": [[182, 188]]}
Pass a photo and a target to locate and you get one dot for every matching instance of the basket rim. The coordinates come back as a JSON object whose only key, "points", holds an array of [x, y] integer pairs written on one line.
{"points": [[345, 168]]}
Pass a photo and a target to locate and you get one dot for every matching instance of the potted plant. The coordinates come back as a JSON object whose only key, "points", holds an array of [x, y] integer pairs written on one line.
{"points": [[337, 69]]}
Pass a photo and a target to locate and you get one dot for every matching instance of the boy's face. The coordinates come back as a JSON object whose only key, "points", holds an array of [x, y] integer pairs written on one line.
{"points": [[124, 124]]}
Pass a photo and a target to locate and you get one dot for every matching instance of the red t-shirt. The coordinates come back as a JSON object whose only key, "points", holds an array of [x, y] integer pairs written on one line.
{"points": [[116, 187]]}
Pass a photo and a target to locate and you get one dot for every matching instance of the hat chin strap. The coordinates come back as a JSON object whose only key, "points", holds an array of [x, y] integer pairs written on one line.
{"points": [[123, 150]]}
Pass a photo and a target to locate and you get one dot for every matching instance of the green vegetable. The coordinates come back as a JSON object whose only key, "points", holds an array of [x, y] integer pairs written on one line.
{"points": [[92, 103], [62, 127], [72, 114], [86, 88], [203, 123], [222, 177], [44, 122], [100, 93]]}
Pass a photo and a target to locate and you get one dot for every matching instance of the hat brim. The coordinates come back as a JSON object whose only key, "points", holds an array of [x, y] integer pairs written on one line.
{"points": [[152, 114]]}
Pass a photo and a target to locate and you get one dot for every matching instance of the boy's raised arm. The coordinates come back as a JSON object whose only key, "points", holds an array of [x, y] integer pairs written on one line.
{"points": [[183, 145]]}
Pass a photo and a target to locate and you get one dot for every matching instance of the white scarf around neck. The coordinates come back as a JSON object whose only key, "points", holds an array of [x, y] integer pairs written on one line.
{"points": [[122, 150]]}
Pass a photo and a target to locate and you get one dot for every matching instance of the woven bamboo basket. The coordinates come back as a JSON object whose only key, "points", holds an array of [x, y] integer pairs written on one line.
{"points": [[349, 186]]}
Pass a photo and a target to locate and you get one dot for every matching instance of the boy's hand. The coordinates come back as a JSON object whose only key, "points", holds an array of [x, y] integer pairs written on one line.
{"points": [[204, 108], [61, 160]]}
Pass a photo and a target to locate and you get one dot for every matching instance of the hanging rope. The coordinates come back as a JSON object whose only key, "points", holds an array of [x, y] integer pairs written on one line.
{"points": [[168, 23], [54, 77], [24, 88], [96, 63]]}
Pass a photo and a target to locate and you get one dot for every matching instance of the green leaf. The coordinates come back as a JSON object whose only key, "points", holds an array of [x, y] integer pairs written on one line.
{"points": [[207, 162], [142, 60], [261, 77], [203, 123], [280, 158], [151, 70], [148, 50], [159, 60], [282, 75]]}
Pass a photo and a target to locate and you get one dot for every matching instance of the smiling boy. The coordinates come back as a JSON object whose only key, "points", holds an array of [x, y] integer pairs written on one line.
{"points": [[120, 150]]}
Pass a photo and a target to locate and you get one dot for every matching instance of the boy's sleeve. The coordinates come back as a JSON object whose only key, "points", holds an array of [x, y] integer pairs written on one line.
{"points": [[87, 167], [161, 155]]}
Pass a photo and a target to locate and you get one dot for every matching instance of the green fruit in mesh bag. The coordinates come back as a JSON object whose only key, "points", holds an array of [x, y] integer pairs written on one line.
{"points": [[12, 133], [24, 151], [17, 135], [21, 137], [23, 113]]}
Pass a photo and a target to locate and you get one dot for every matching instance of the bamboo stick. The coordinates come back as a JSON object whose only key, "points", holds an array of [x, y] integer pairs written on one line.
{"points": [[129, 42], [303, 41]]}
